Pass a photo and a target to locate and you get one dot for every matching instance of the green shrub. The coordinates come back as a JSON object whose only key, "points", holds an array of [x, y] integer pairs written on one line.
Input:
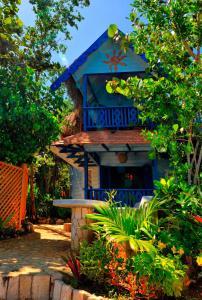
{"points": [[8, 230], [179, 221], [167, 274], [94, 258], [63, 213]]}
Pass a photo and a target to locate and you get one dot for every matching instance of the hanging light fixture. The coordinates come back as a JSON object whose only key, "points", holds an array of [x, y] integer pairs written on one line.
{"points": [[122, 157]]}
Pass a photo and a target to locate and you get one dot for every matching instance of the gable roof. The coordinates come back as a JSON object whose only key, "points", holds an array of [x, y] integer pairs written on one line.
{"points": [[82, 59]]}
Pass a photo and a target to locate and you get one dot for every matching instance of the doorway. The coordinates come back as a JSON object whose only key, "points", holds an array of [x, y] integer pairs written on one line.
{"points": [[126, 177]]}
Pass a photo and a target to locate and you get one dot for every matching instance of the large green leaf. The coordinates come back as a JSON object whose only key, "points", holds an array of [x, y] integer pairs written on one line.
{"points": [[126, 224], [112, 30]]}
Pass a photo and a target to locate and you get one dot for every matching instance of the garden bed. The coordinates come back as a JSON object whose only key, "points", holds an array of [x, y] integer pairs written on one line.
{"points": [[138, 254]]}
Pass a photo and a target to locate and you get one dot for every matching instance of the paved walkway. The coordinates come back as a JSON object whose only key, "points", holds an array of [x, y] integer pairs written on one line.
{"points": [[35, 253]]}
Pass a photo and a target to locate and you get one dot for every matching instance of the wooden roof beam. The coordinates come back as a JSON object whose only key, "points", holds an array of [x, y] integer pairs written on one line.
{"points": [[128, 146], [105, 147]]}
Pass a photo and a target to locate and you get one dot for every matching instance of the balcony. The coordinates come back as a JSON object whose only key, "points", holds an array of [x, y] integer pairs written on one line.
{"points": [[127, 197], [110, 117]]}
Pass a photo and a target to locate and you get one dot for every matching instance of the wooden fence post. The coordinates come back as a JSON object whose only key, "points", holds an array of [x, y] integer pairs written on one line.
{"points": [[24, 193]]}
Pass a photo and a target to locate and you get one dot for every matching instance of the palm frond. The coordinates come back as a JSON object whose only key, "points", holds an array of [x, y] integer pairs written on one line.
{"points": [[141, 246], [126, 224]]}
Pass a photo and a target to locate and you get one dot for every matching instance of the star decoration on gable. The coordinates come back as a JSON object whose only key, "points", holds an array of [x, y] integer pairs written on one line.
{"points": [[114, 60]]}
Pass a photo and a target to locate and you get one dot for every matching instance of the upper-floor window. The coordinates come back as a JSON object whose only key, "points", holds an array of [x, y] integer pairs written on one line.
{"points": [[97, 95]]}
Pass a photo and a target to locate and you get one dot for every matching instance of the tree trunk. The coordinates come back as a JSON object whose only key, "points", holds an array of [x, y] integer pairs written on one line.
{"points": [[198, 168]]}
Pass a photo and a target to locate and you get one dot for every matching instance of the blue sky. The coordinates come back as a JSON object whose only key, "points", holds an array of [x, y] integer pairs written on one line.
{"points": [[98, 17]]}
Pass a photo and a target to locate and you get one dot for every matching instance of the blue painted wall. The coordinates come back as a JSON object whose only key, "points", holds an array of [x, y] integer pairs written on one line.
{"points": [[97, 62]]}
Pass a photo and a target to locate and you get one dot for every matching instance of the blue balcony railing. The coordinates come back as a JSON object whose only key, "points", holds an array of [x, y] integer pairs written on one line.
{"points": [[124, 196], [110, 117]]}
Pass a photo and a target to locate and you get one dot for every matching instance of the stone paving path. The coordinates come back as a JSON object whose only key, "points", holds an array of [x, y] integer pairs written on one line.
{"points": [[35, 253]]}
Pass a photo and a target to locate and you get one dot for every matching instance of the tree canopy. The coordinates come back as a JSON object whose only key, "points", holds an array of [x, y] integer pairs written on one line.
{"points": [[170, 35], [29, 111], [53, 19], [26, 124]]}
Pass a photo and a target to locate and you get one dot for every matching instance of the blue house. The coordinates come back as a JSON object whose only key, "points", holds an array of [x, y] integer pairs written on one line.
{"points": [[103, 141]]}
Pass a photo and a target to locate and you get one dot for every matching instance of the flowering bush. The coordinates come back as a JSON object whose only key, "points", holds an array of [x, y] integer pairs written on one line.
{"points": [[122, 275]]}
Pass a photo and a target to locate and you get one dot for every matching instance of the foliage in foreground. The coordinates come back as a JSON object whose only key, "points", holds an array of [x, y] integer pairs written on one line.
{"points": [[94, 260], [107, 264], [171, 261], [136, 227]]}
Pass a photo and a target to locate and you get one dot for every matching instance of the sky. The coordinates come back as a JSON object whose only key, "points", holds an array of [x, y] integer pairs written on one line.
{"points": [[97, 17]]}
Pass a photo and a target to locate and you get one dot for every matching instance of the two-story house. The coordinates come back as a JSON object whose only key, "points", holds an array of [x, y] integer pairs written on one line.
{"points": [[106, 148]]}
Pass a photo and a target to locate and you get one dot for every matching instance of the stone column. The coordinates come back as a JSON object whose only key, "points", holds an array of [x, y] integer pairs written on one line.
{"points": [[78, 220]]}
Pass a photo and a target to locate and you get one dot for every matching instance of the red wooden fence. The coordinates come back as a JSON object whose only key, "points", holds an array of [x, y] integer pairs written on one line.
{"points": [[13, 193]]}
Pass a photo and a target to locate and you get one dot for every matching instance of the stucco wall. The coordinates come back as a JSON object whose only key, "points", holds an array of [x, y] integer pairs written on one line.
{"points": [[77, 183], [134, 159], [95, 177]]}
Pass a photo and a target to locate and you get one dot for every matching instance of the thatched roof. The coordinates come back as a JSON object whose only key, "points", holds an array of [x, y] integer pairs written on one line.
{"points": [[73, 91], [73, 121]]}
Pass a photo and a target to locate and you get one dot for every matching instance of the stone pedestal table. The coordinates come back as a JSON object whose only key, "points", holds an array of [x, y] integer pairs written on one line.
{"points": [[80, 207]]}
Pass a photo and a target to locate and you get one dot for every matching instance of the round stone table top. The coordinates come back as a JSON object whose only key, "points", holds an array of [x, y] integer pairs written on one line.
{"points": [[73, 203]]}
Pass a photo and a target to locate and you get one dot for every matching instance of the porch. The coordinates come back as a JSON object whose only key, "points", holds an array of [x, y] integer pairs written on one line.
{"points": [[105, 160]]}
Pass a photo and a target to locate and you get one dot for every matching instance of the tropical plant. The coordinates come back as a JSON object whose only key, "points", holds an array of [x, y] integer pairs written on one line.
{"points": [[181, 216], [8, 229], [136, 227], [143, 275], [52, 174], [73, 263], [51, 179], [169, 94], [180, 194]]}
